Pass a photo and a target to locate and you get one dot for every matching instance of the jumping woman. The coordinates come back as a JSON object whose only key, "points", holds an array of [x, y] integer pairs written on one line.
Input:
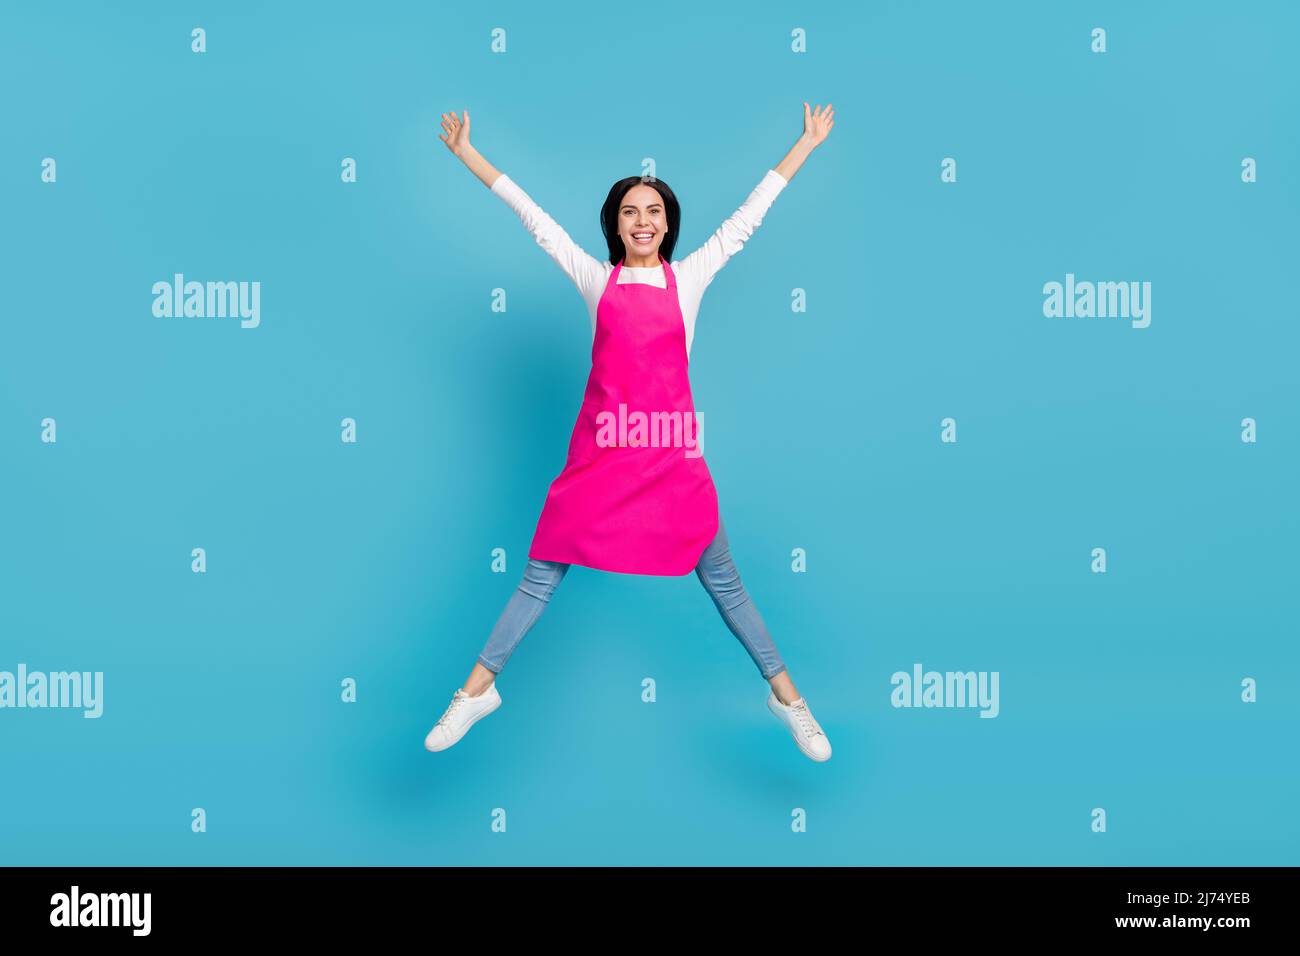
{"points": [[635, 505]]}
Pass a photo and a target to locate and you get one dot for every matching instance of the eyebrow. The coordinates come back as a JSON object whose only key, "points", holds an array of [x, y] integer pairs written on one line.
{"points": [[629, 205]]}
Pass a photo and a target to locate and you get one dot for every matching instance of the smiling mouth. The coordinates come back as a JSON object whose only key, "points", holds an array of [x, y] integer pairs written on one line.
{"points": [[643, 238]]}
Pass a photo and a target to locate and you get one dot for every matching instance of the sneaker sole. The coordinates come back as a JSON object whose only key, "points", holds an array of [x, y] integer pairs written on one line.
{"points": [[464, 731], [797, 742]]}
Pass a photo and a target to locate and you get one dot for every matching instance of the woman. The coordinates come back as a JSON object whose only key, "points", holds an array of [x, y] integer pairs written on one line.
{"points": [[629, 501]]}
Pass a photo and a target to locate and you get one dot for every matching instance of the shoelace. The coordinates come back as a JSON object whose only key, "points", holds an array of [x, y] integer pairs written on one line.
{"points": [[456, 701], [805, 718]]}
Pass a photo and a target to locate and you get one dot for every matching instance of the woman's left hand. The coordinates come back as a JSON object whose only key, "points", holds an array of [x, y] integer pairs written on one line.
{"points": [[817, 123]]}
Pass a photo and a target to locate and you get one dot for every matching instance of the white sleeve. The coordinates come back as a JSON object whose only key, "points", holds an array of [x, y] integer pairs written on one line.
{"points": [[585, 270], [703, 264]]}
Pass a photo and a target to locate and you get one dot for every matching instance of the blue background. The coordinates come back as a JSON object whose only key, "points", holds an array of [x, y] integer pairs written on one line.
{"points": [[327, 560]]}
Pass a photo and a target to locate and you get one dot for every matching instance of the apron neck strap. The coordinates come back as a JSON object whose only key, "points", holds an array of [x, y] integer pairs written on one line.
{"points": [[670, 280]]}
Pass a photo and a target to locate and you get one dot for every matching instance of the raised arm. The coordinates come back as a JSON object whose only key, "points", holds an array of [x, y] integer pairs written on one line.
{"points": [[703, 264], [584, 269], [817, 125]]}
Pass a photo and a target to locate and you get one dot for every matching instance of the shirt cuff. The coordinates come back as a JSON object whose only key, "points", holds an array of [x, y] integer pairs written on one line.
{"points": [[777, 176]]}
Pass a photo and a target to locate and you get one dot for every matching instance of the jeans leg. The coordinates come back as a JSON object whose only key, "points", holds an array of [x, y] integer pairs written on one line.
{"points": [[541, 578], [717, 572]]}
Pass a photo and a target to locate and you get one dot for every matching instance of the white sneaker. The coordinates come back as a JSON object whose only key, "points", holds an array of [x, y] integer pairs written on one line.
{"points": [[461, 714], [807, 733]]}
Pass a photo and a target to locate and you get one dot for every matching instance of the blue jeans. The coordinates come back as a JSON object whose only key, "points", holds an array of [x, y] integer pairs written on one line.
{"points": [[716, 571]]}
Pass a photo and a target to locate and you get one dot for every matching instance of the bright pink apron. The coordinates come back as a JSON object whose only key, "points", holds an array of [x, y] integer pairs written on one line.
{"points": [[632, 508]]}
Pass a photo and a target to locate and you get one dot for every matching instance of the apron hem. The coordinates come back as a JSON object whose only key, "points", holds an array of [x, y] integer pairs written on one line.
{"points": [[619, 570]]}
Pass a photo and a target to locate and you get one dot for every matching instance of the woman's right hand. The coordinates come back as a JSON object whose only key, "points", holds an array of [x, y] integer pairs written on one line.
{"points": [[455, 132]]}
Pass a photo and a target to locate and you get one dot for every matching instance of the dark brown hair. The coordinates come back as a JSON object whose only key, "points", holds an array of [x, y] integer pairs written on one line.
{"points": [[614, 202]]}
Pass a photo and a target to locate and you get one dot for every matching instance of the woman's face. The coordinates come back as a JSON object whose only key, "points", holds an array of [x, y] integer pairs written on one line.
{"points": [[642, 221]]}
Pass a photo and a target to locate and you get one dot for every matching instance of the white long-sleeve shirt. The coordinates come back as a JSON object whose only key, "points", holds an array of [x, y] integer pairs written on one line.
{"points": [[694, 273]]}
